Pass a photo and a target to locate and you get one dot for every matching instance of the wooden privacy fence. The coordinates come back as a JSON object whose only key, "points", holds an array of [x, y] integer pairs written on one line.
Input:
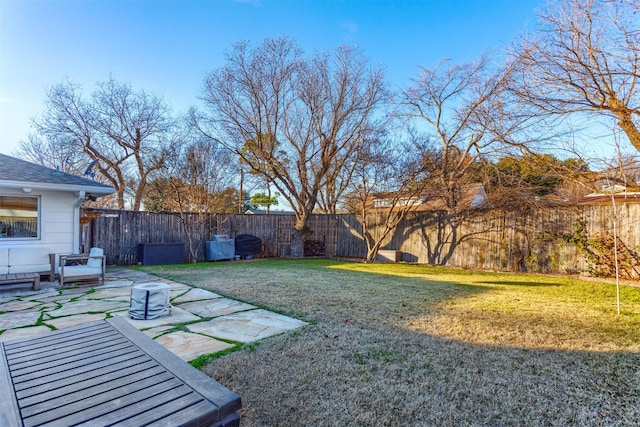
{"points": [[120, 232], [543, 240], [537, 241]]}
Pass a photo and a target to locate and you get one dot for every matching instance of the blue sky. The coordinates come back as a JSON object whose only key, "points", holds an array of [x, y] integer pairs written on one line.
{"points": [[167, 46]]}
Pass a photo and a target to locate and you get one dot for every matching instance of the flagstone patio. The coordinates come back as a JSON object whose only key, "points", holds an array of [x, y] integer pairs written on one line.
{"points": [[201, 322]]}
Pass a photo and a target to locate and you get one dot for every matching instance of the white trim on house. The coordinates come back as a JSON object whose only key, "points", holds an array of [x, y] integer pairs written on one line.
{"points": [[26, 185]]}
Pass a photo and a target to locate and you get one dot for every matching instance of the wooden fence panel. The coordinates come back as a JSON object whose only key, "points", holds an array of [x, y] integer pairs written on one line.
{"points": [[496, 240], [120, 232], [490, 240]]}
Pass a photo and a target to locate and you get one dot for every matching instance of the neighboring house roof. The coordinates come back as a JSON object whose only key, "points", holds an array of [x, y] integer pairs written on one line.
{"points": [[471, 196], [17, 173], [608, 186], [606, 199]]}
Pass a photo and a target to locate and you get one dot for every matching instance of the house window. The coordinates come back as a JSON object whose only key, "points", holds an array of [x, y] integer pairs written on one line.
{"points": [[19, 217], [403, 201], [381, 203]]}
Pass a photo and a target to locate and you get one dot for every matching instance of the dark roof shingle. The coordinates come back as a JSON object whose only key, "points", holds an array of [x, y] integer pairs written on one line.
{"points": [[13, 169]]}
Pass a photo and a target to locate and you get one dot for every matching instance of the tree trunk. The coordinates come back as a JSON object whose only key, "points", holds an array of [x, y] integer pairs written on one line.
{"points": [[120, 197], [297, 243], [299, 235], [372, 253], [624, 114], [630, 129]]}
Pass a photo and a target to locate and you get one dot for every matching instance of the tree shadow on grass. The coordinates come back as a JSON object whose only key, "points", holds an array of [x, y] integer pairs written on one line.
{"points": [[518, 283], [360, 362], [377, 374]]}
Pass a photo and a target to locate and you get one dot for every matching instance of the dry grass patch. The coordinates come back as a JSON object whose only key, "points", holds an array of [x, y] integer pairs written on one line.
{"points": [[401, 344]]}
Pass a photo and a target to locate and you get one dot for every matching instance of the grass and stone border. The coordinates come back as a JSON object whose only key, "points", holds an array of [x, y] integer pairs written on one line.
{"points": [[407, 344]]}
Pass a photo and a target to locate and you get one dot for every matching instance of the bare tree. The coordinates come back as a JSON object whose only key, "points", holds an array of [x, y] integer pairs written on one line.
{"points": [[330, 195], [295, 121], [463, 111], [584, 59], [57, 155], [195, 183], [193, 180], [130, 133], [387, 183]]}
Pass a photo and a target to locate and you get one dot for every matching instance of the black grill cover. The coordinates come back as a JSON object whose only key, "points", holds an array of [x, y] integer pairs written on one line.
{"points": [[247, 244]]}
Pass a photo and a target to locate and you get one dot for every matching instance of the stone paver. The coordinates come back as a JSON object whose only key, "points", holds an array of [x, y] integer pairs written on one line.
{"points": [[18, 293], [196, 294], [12, 334], [216, 307], [191, 346], [177, 316], [126, 299], [117, 284], [74, 305], [48, 306], [87, 306], [18, 305], [109, 293], [53, 298], [177, 292], [80, 319], [18, 319], [154, 332], [75, 292], [131, 274], [247, 326]]}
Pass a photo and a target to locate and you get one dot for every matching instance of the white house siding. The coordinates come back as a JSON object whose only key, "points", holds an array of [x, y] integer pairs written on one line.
{"points": [[57, 224]]}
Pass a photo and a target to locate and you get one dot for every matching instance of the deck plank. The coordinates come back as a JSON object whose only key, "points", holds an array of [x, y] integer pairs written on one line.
{"points": [[169, 419], [42, 340], [123, 399], [103, 373], [207, 387], [9, 413], [67, 346], [72, 375], [119, 378], [160, 401], [22, 374]]}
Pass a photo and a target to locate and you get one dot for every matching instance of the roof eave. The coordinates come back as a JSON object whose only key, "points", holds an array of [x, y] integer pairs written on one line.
{"points": [[95, 190]]}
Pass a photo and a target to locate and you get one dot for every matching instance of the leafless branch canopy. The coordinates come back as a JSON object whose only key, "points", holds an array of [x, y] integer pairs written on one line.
{"points": [[296, 121], [129, 132], [586, 59], [462, 109]]}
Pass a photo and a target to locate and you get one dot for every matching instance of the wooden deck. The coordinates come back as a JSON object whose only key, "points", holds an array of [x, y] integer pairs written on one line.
{"points": [[106, 373]]}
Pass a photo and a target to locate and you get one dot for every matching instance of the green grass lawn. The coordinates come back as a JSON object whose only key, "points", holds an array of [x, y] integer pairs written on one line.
{"points": [[523, 310], [406, 344]]}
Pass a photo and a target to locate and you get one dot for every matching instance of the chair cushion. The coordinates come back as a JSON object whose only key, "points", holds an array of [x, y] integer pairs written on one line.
{"points": [[28, 259], [4, 260], [95, 262], [32, 268], [28, 255], [81, 270]]}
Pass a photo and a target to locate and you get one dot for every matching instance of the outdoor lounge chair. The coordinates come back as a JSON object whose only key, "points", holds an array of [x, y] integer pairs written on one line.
{"points": [[75, 268]]}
